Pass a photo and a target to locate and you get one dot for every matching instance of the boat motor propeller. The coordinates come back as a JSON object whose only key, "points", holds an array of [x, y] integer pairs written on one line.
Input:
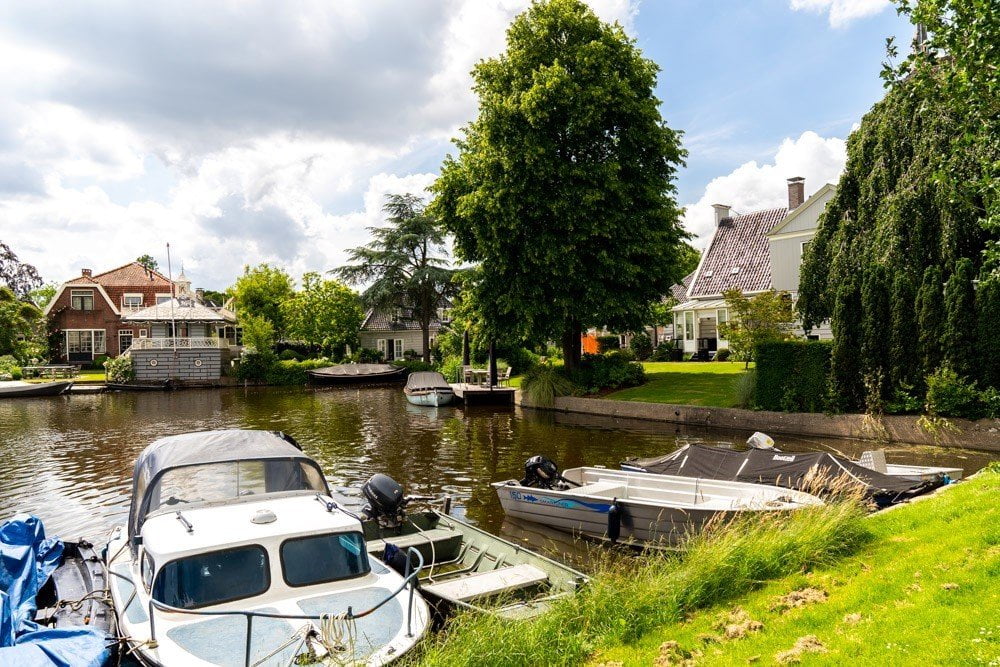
{"points": [[542, 473]]}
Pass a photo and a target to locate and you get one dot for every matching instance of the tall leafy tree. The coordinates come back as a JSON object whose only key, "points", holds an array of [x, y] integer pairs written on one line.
{"points": [[902, 324], [148, 261], [405, 263], [762, 318], [19, 324], [875, 314], [958, 338], [260, 291], [562, 188], [326, 314], [930, 311], [21, 278], [988, 348]]}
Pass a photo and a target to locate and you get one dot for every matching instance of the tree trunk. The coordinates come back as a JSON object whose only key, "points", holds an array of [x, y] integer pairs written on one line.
{"points": [[425, 333], [571, 344]]}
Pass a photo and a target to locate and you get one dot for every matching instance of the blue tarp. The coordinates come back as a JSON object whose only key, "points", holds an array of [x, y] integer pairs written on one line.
{"points": [[27, 559]]}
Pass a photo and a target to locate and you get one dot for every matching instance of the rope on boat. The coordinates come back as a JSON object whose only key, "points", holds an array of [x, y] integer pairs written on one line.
{"points": [[75, 605], [430, 570], [338, 634]]}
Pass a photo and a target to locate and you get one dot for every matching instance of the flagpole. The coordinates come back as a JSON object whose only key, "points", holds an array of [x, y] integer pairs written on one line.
{"points": [[173, 295]]}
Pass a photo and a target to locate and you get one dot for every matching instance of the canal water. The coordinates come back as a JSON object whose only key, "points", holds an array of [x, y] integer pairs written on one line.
{"points": [[69, 459]]}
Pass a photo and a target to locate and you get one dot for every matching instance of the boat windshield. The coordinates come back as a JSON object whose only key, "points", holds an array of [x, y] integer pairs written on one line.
{"points": [[213, 578], [318, 559], [231, 479]]}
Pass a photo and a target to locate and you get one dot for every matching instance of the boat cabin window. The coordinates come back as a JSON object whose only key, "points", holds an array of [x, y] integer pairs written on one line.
{"points": [[231, 479], [317, 559], [213, 578]]}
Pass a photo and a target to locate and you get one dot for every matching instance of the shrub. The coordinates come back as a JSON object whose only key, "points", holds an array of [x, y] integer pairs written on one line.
{"points": [[254, 366], [608, 371], [413, 365], [641, 346], [8, 365], [949, 395], [451, 369], [411, 355], [722, 355], [367, 355], [98, 363], [520, 359], [542, 383], [608, 343], [904, 401], [119, 369], [553, 352], [746, 388], [290, 355], [663, 351], [792, 375]]}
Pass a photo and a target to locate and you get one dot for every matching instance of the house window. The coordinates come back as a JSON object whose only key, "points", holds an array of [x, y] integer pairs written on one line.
{"points": [[143, 333], [132, 301], [688, 325], [398, 349], [100, 347], [124, 340], [162, 298], [82, 299], [721, 318], [85, 341], [802, 247]]}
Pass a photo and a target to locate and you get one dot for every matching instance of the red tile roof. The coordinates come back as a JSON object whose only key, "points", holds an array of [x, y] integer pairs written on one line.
{"points": [[129, 275], [679, 291], [740, 244]]}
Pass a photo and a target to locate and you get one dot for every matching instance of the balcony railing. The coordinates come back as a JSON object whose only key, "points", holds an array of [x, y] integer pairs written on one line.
{"points": [[172, 343]]}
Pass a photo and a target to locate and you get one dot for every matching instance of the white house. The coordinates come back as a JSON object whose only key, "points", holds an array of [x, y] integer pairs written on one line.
{"points": [[395, 331], [752, 252]]}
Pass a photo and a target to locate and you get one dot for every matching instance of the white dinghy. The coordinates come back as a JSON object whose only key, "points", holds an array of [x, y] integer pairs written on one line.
{"points": [[655, 510], [234, 554], [428, 388]]}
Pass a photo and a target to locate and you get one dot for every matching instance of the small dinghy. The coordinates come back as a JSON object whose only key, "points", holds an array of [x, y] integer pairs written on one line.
{"points": [[428, 388], [234, 554], [466, 566], [17, 389], [763, 464], [358, 374], [641, 508]]}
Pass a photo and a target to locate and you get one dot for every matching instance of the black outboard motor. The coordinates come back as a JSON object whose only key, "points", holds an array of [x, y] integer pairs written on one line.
{"points": [[386, 501], [541, 473]]}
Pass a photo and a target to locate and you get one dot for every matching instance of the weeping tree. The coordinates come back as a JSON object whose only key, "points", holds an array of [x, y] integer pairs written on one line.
{"points": [[563, 186], [21, 278], [404, 266]]}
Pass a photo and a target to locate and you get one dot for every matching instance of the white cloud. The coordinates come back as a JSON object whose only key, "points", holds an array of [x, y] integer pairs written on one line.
{"points": [[753, 186], [841, 12]]}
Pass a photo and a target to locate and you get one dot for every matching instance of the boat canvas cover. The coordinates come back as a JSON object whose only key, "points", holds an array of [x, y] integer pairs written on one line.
{"points": [[27, 559], [795, 470], [425, 381], [283, 463], [350, 370]]}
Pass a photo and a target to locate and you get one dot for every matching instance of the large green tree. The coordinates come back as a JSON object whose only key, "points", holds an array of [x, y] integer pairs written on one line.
{"points": [[21, 328], [260, 291], [562, 189], [757, 319], [404, 265], [148, 262], [18, 276], [326, 314]]}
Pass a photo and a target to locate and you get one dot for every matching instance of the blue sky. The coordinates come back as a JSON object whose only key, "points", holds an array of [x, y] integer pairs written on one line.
{"points": [[272, 131]]}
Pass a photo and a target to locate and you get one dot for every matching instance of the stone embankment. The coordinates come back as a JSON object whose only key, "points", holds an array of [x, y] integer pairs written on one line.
{"points": [[983, 434]]}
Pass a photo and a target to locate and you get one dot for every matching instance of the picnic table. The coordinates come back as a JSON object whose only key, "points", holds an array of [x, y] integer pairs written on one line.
{"points": [[51, 371]]}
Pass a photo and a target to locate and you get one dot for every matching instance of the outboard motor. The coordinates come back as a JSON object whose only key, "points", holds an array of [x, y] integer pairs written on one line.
{"points": [[541, 473], [386, 501], [760, 441]]}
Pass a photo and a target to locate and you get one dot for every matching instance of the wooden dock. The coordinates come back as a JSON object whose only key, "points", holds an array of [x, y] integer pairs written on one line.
{"points": [[474, 394]]}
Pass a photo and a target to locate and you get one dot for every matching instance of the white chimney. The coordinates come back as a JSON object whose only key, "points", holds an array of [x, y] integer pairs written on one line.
{"points": [[721, 212]]}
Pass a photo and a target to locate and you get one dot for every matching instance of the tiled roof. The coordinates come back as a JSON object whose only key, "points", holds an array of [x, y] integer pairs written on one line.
{"points": [[739, 256], [390, 320], [680, 290], [129, 275]]}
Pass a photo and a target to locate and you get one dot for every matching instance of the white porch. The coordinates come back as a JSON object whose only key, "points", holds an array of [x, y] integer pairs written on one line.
{"points": [[697, 326]]}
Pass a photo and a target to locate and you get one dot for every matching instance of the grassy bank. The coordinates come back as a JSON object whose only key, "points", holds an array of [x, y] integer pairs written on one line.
{"points": [[925, 590], [632, 596], [711, 383]]}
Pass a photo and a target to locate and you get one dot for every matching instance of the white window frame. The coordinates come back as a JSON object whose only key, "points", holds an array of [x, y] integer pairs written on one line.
{"points": [[163, 297], [689, 332], [397, 349], [721, 317], [95, 348], [132, 295], [143, 333], [125, 333], [75, 294], [802, 247], [380, 346]]}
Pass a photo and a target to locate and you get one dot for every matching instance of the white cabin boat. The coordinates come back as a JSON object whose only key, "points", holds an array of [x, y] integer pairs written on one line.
{"points": [[649, 509], [428, 388], [234, 554]]}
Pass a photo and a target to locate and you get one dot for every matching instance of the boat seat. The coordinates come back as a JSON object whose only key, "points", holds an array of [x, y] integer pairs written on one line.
{"points": [[604, 489], [486, 584], [436, 535], [874, 460]]}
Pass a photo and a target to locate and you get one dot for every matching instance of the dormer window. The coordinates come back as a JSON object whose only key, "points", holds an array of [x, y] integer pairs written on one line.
{"points": [[82, 299], [734, 270], [132, 301], [708, 274]]}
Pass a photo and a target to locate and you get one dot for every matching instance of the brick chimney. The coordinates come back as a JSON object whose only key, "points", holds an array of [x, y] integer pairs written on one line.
{"points": [[796, 192], [721, 212], [86, 273]]}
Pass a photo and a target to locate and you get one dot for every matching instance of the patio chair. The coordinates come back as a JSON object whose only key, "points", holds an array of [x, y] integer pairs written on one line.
{"points": [[503, 377], [467, 374]]}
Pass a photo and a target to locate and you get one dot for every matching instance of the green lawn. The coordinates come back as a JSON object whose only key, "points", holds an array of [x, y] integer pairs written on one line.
{"points": [[925, 590], [83, 376], [710, 383]]}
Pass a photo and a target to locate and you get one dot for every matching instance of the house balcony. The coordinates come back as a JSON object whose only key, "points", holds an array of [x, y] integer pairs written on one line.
{"points": [[177, 343]]}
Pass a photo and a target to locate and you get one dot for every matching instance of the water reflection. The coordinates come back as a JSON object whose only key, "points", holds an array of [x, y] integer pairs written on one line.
{"points": [[69, 459]]}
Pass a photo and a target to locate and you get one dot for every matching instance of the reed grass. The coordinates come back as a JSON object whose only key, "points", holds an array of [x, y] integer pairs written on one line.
{"points": [[629, 596]]}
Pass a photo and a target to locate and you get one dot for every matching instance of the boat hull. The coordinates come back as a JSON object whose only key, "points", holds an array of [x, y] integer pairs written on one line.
{"points": [[388, 377], [31, 390], [431, 398]]}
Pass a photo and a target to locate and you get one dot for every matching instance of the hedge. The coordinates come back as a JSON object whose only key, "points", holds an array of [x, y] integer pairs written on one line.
{"points": [[792, 376]]}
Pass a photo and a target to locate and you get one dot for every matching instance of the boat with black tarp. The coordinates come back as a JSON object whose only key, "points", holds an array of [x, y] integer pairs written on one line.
{"points": [[234, 553], [358, 374], [19, 389], [816, 472]]}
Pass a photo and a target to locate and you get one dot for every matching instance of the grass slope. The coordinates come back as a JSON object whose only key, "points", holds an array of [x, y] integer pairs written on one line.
{"points": [[711, 383], [926, 590], [629, 597]]}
